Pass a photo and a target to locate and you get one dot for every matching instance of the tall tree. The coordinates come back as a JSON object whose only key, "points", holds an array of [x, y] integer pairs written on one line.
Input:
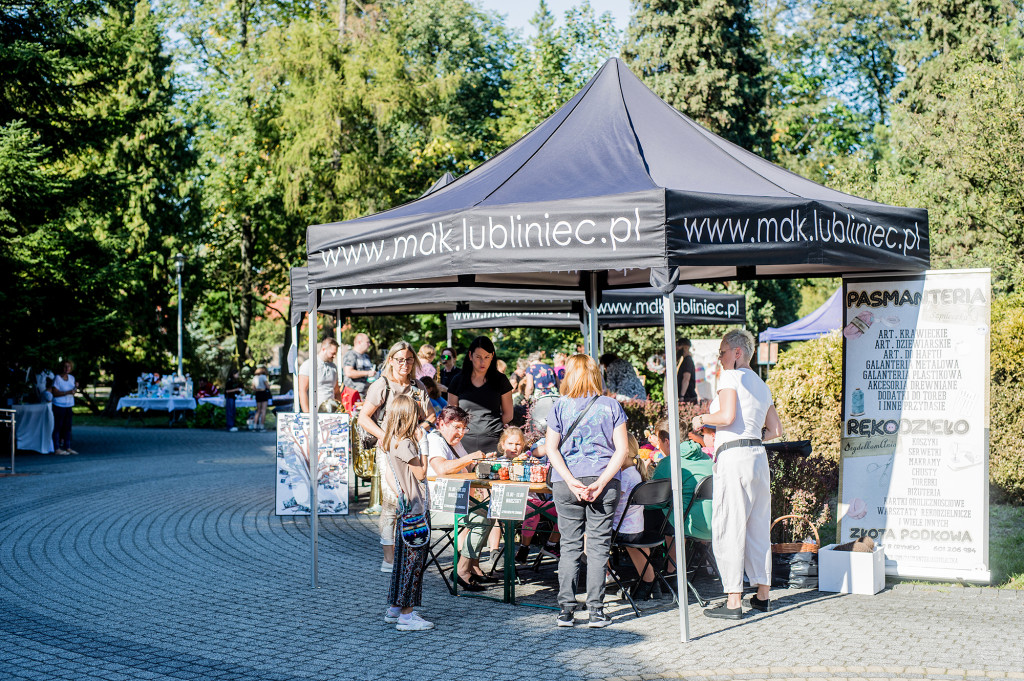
{"points": [[705, 58], [88, 229], [372, 120], [947, 31], [954, 143], [833, 69], [552, 65], [248, 238]]}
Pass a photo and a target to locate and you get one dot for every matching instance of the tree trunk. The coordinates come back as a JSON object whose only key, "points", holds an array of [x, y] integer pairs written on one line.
{"points": [[247, 248], [282, 359]]}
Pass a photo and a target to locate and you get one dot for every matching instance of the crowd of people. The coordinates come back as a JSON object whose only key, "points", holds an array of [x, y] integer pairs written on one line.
{"points": [[432, 416]]}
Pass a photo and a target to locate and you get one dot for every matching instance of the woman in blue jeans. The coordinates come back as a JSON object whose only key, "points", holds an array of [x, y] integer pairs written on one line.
{"points": [[586, 444]]}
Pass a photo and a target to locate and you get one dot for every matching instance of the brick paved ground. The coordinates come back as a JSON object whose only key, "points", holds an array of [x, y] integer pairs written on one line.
{"points": [[156, 555]]}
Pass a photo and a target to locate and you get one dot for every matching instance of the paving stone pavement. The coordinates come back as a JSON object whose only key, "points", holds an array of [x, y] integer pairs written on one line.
{"points": [[156, 555]]}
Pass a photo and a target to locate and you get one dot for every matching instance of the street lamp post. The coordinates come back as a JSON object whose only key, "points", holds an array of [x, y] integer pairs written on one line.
{"points": [[179, 265]]}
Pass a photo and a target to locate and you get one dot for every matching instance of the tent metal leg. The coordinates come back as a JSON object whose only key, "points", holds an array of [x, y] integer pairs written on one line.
{"points": [[295, 368], [592, 316], [313, 445], [672, 402]]}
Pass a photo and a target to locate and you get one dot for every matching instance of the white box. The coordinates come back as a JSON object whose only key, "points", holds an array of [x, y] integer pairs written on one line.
{"points": [[847, 572]]}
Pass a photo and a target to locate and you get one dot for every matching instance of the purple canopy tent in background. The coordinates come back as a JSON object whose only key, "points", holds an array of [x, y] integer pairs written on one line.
{"points": [[828, 317]]}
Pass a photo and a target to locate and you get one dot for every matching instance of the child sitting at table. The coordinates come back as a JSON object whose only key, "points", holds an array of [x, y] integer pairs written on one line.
{"points": [[631, 528], [512, 444]]}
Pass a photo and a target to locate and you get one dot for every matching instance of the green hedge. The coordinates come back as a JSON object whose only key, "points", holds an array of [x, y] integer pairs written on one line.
{"points": [[1006, 420], [642, 414], [210, 416], [807, 386]]}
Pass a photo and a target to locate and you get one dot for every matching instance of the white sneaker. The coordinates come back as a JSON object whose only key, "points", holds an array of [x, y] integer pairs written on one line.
{"points": [[386, 566], [233, 430], [391, 619], [413, 623]]}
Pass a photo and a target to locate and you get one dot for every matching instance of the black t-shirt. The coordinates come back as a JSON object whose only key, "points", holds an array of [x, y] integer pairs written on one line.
{"points": [[484, 406], [445, 377], [688, 392]]}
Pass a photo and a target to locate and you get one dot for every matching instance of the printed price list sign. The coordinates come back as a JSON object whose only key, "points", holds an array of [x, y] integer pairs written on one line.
{"points": [[508, 502], [450, 495]]}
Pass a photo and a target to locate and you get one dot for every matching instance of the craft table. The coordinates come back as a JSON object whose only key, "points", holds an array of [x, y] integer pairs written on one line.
{"points": [[508, 529]]}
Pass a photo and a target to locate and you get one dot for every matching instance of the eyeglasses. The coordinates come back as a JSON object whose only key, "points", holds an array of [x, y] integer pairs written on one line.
{"points": [[408, 360], [446, 356]]}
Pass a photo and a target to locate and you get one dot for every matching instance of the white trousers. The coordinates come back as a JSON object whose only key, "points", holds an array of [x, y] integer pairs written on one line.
{"points": [[741, 517]]}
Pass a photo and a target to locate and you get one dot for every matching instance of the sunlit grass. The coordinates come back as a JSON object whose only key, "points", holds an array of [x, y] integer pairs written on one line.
{"points": [[1006, 546]]}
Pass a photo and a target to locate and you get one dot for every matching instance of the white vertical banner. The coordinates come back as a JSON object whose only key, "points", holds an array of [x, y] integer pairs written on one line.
{"points": [[914, 466]]}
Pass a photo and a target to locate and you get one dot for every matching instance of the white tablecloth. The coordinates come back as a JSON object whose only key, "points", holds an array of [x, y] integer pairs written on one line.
{"points": [[247, 401], [156, 403], [35, 427]]}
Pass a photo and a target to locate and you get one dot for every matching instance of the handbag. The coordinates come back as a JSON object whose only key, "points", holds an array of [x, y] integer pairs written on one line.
{"points": [[414, 528], [368, 439]]}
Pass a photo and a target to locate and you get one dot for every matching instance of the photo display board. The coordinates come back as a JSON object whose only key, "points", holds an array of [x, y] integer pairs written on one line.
{"points": [[450, 495], [508, 502], [914, 448], [292, 479]]}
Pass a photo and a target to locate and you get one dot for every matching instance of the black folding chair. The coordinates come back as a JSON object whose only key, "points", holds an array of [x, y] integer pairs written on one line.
{"points": [[696, 550], [652, 492], [441, 538]]}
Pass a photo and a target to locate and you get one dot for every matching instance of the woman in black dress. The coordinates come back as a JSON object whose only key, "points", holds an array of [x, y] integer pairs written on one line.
{"points": [[485, 393]]}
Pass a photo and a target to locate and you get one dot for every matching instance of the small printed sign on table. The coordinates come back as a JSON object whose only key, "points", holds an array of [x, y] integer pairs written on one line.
{"points": [[450, 495], [508, 502]]}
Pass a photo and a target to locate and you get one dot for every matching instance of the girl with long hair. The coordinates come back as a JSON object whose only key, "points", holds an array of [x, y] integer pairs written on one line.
{"points": [[407, 472]]}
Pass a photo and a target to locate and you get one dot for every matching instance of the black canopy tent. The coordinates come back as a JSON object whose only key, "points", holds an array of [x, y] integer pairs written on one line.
{"points": [[445, 179], [618, 189], [379, 301], [621, 309]]}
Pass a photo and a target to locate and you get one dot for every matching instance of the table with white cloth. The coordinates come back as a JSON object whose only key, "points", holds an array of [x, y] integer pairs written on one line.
{"points": [[35, 427], [174, 406], [247, 400]]}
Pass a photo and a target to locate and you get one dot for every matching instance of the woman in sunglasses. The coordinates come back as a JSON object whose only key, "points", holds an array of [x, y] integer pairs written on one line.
{"points": [[446, 371], [744, 417], [396, 378]]}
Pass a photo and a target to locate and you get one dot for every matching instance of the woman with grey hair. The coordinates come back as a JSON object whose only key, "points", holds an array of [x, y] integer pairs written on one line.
{"points": [[745, 416]]}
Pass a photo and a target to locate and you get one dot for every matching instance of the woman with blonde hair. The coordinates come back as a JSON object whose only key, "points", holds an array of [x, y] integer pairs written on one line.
{"points": [[426, 357], [407, 472], [744, 417], [586, 444], [396, 378]]}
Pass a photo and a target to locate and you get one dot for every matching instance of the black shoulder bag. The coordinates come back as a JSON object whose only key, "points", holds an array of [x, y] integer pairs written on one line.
{"points": [[575, 423]]}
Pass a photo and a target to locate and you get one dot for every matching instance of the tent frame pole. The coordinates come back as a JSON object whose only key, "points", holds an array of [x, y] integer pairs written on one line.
{"points": [[592, 316], [672, 402], [294, 369], [312, 444]]}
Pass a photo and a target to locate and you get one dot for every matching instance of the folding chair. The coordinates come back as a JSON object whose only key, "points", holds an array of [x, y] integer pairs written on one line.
{"points": [[652, 492], [438, 545], [697, 551]]}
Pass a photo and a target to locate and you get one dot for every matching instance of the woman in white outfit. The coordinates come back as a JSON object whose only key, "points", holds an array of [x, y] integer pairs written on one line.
{"points": [[745, 417]]}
